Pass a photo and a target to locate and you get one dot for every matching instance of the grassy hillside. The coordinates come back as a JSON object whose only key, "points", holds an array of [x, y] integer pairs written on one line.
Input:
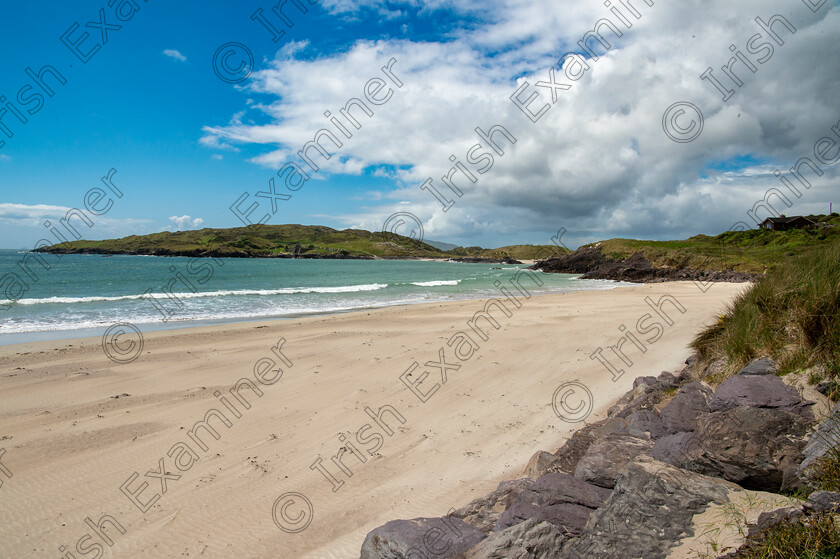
{"points": [[276, 240], [743, 251], [791, 314], [517, 252]]}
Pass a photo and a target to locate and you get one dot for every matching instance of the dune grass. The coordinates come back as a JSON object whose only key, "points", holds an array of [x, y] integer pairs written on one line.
{"points": [[791, 314], [816, 538]]}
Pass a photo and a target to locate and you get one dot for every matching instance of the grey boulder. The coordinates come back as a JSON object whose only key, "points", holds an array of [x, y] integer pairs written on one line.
{"points": [[483, 513], [607, 456], [757, 448], [442, 538], [650, 511], [691, 402], [559, 498], [531, 539], [765, 366], [759, 391]]}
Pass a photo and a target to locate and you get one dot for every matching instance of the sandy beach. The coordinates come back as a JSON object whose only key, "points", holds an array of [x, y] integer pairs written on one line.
{"points": [[76, 426]]}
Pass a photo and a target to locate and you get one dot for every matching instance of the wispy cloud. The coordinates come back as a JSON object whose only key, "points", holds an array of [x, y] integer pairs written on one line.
{"points": [[172, 53], [4, 157]]}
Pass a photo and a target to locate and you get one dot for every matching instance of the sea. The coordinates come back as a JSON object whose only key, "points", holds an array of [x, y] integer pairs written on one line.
{"points": [[80, 295]]}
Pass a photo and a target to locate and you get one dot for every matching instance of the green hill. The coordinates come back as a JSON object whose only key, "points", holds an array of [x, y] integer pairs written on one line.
{"points": [[301, 241], [753, 250]]}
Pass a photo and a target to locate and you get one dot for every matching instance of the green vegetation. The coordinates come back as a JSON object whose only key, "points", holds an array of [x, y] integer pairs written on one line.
{"points": [[288, 240], [753, 250], [517, 252], [791, 314], [818, 537]]}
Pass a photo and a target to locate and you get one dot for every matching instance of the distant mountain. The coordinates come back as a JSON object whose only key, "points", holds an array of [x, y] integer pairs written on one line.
{"points": [[288, 241], [440, 245]]}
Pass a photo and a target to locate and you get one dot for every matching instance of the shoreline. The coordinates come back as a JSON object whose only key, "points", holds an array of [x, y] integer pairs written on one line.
{"points": [[80, 425]]}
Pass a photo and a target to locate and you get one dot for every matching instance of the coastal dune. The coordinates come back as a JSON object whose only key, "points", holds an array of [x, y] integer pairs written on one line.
{"points": [[331, 420]]}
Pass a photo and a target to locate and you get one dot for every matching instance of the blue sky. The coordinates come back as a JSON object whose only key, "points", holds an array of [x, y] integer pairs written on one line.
{"points": [[185, 143]]}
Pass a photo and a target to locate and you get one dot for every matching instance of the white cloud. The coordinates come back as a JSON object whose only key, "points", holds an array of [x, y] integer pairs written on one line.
{"points": [[598, 163], [185, 222], [216, 156], [4, 157], [174, 54]]}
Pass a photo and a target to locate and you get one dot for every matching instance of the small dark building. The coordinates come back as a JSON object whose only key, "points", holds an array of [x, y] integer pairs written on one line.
{"points": [[783, 223]]}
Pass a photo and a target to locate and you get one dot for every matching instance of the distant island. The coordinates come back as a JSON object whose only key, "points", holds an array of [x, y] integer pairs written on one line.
{"points": [[296, 241]]}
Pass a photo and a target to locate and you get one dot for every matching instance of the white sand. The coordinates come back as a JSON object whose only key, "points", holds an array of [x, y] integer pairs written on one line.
{"points": [[73, 444]]}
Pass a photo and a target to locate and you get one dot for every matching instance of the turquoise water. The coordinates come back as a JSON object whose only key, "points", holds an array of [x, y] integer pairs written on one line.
{"points": [[83, 292]]}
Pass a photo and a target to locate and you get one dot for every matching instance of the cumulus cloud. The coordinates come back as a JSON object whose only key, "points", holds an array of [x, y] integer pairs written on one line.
{"points": [[185, 222], [598, 162], [175, 55]]}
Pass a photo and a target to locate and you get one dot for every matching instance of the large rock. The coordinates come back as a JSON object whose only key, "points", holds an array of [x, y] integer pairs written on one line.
{"points": [[607, 456], [483, 513], [442, 538], [759, 391], [559, 498], [765, 366], [823, 440], [643, 397], [567, 517], [691, 402], [651, 509], [758, 448], [822, 501], [671, 448], [643, 424], [543, 463], [573, 450], [531, 539]]}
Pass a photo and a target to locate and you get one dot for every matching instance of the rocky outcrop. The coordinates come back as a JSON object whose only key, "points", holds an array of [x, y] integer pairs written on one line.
{"points": [[483, 513], [648, 480], [759, 391], [443, 538], [757, 448], [691, 402], [651, 509], [822, 441], [608, 456], [592, 264], [543, 463], [558, 498], [531, 539]]}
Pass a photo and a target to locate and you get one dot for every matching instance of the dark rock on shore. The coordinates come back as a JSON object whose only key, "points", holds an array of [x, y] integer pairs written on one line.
{"points": [[607, 456], [483, 513], [823, 440], [757, 448], [531, 539], [651, 509], [592, 264], [445, 538], [691, 402], [760, 391]]}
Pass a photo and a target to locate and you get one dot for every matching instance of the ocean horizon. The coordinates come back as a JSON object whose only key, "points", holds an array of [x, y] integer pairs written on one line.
{"points": [[79, 294]]}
